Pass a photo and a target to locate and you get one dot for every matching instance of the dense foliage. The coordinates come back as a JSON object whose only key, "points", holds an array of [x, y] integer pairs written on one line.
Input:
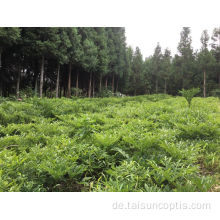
{"points": [[56, 62], [142, 143]]}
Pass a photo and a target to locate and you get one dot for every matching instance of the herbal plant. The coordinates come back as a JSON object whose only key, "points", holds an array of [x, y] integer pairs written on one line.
{"points": [[143, 143], [189, 94]]}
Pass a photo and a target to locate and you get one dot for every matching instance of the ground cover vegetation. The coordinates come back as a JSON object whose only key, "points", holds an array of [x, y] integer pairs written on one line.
{"points": [[141, 143]]}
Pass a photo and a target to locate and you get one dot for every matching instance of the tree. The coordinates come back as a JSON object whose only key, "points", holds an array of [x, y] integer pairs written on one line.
{"points": [[90, 55], [103, 57], [166, 67], [216, 50], [42, 41], [112, 68], [63, 44], [186, 57], [148, 76], [157, 65], [120, 45], [205, 59], [137, 69], [128, 74], [75, 53], [8, 37]]}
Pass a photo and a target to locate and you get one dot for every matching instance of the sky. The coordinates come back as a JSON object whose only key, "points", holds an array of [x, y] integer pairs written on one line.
{"points": [[168, 37], [146, 21]]}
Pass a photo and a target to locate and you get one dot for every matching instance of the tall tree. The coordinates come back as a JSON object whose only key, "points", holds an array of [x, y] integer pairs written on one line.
{"points": [[103, 58], [42, 42], [8, 37], [90, 55], [137, 68], [157, 64], [120, 45], [205, 59], [148, 75], [74, 52], [166, 67], [216, 50], [128, 74], [63, 44], [112, 68], [186, 56]]}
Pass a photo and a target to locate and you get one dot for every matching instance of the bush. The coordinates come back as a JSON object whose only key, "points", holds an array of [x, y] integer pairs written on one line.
{"points": [[105, 93], [27, 93], [77, 92], [215, 93]]}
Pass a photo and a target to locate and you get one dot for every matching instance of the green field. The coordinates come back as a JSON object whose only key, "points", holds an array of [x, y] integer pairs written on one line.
{"points": [[143, 143]]}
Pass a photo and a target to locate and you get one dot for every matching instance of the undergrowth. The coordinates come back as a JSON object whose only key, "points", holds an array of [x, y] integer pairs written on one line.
{"points": [[143, 143]]}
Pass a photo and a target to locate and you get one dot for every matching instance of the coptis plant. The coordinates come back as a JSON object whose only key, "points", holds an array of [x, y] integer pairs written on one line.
{"points": [[143, 143], [189, 94]]}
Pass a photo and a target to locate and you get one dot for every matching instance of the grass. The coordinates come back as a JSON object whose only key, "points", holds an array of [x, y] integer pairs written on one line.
{"points": [[143, 143]]}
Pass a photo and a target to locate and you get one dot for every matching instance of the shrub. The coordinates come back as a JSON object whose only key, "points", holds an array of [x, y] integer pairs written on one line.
{"points": [[105, 93], [27, 92], [215, 92]]}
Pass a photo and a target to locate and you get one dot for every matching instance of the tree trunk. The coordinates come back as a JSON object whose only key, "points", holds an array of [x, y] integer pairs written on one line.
{"points": [[1, 89], [1, 84], [100, 84], [18, 82], [90, 85], [69, 81], [113, 81], [219, 80], [58, 81], [117, 86], [156, 85], [35, 86], [0, 59], [204, 84], [183, 82], [106, 83], [165, 86], [41, 76], [60, 91], [77, 83], [93, 87], [51, 91], [45, 92]]}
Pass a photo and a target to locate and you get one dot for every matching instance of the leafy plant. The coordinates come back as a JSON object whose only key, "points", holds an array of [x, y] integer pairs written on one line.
{"points": [[143, 143], [189, 94]]}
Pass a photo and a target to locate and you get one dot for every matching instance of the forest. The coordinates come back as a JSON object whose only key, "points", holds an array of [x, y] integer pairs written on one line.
{"points": [[80, 110], [96, 62]]}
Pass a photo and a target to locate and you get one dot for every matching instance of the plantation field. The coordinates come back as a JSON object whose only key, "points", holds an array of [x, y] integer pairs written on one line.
{"points": [[143, 143]]}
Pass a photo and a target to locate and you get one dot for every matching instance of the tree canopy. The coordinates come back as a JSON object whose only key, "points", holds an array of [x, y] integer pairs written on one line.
{"points": [[67, 61]]}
